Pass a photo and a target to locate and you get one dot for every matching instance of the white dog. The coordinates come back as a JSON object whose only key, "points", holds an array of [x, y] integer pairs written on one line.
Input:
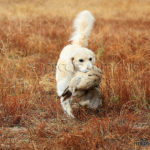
{"points": [[75, 57]]}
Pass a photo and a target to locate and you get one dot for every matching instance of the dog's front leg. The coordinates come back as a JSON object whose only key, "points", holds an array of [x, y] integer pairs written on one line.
{"points": [[66, 105]]}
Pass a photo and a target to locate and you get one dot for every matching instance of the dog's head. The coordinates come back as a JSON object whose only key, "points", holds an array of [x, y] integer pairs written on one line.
{"points": [[82, 60]]}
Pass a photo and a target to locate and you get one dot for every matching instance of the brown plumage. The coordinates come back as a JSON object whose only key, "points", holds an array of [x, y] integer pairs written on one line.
{"points": [[82, 82]]}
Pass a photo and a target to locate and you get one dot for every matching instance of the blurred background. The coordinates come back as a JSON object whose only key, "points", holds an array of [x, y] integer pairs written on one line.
{"points": [[101, 8]]}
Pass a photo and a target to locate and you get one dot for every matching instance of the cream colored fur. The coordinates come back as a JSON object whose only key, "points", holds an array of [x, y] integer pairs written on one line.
{"points": [[83, 24], [71, 55]]}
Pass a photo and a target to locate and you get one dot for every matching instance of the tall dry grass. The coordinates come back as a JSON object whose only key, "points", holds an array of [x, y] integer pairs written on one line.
{"points": [[32, 35]]}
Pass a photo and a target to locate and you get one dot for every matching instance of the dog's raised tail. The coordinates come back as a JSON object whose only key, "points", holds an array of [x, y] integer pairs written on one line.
{"points": [[82, 26]]}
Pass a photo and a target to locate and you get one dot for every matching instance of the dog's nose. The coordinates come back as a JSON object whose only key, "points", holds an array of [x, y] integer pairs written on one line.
{"points": [[89, 66]]}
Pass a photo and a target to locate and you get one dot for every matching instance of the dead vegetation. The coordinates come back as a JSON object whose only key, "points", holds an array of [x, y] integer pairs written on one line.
{"points": [[31, 38]]}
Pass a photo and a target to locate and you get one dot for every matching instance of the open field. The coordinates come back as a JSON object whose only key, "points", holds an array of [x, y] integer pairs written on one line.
{"points": [[32, 35]]}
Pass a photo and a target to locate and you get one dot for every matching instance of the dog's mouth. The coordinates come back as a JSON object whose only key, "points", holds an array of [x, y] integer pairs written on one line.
{"points": [[85, 71]]}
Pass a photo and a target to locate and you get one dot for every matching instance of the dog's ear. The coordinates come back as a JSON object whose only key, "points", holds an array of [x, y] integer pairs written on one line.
{"points": [[70, 66]]}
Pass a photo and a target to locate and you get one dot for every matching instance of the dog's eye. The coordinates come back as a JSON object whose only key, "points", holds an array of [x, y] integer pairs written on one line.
{"points": [[90, 59], [81, 60]]}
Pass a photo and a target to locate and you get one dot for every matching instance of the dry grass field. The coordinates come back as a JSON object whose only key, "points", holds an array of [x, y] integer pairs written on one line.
{"points": [[32, 34]]}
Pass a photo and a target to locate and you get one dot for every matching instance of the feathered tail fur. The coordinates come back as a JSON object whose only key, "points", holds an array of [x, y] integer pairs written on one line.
{"points": [[82, 26]]}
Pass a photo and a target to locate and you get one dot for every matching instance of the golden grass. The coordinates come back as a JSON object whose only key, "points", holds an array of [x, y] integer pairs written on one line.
{"points": [[32, 35]]}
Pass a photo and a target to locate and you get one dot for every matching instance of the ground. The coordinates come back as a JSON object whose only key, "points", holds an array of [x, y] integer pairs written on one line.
{"points": [[32, 35]]}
